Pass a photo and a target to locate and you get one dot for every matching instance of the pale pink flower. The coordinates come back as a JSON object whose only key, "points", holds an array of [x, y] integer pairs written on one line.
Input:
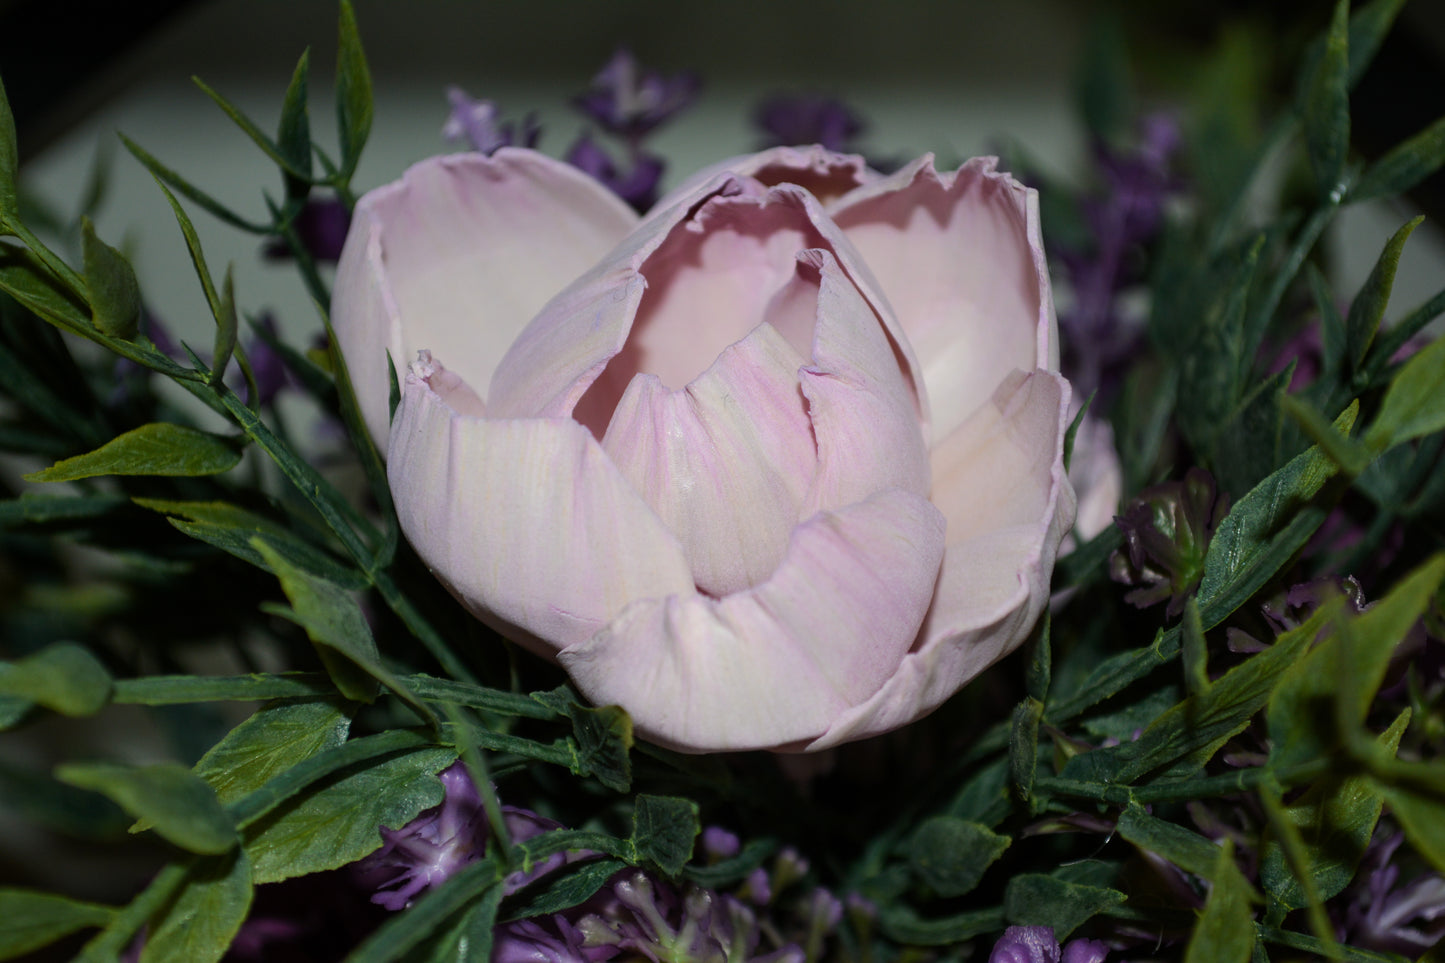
{"points": [[777, 466]]}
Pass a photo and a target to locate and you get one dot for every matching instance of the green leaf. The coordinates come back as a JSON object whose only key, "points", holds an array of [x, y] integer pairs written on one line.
{"points": [[1368, 27], [25, 279], [353, 90], [1246, 447], [1406, 165], [338, 822], [36, 509], [1396, 336], [474, 885], [1349, 454], [1033, 899], [1225, 931], [1184, 848], [114, 291], [564, 888], [663, 830], [1334, 819], [226, 328], [900, 923], [251, 130], [1368, 306], [181, 807], [275, 738], [63, 677], [463, 937], [1332, 325], [205, 916], [1194, 651], [1414, 404], [985, 798], [1195, 729], [1368, 641], [951, 855], [206, 202], [159, 448], [9, 160], [603, 737], [30, 920], [1023, 745], [293, 134], [1040, 669], [1327, 105], [232, 529]]}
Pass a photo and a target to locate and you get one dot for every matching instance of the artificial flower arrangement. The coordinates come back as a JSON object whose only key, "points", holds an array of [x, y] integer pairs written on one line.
{"points": [[691, 517]]}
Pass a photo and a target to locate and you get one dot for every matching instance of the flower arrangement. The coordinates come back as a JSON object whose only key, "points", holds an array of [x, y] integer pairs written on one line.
{"points": [[751, 565]]}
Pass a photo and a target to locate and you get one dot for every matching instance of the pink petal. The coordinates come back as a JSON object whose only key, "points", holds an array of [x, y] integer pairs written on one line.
{"points": [[773, 666], [999, 480], [527, 522], [825, 174], [725, 462], [960, 258], [456, 257]]}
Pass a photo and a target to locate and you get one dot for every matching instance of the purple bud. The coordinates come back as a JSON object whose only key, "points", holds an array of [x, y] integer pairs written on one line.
{"points": [[758, 888], [476, 123], [637, 184], [321, 226], [266, 363], [628, 100], [1085, 951], [718, 843], [798, 119], [1167, 529], [1026, 944]]}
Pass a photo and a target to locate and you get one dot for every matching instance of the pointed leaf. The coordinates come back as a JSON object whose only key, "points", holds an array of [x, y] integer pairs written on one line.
{"points": [[1184, 848], [226, 328], [663, 830], [9, 160], [353, 90], [174, 800], [1406, 165], [275, 738], [1225, 931], [1369, 305], [30, 920], [206, 202], [293, 134], [1368, 27], [1332, 325], [1194, 653], [159, 448], [1347, 453], [114, 291], [564, 888], [249, 128], [1327, 105], [1033, 899], [63, 677], [200, 924], [1414, 404], [951, 855]]}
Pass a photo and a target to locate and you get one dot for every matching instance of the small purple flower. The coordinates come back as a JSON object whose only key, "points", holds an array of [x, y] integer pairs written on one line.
{"points": [[799, 119], [1385, 916], [1036, 944], [1167, 529], [637, 183], [321, 225], [477, 124], [718, 843], [629, 101]]}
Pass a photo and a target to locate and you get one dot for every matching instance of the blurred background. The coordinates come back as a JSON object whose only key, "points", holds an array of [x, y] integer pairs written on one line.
{"points": [[955, 78]]}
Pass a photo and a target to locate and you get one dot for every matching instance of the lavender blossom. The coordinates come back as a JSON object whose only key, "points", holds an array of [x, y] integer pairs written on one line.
{"points": [[1382, 915], [477, 124], [718, 843], [795, 119], [321, 226], [637, 183], [630, 101], [1167, 529], [1036, 944]]}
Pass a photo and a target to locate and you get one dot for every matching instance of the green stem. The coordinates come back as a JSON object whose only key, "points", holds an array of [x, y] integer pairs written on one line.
{"points": [[108, 944], [421, 628]]}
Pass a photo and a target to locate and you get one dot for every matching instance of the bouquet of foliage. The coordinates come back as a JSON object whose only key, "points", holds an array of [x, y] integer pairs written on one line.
{"points": [[763, 568]]}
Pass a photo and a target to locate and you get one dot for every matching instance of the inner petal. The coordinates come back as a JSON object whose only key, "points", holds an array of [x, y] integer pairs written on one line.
{"points": [[726, 462], [709, 284]]}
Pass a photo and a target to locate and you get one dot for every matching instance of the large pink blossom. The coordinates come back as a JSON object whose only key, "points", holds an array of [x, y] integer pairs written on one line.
{"points": [[778, 465]]}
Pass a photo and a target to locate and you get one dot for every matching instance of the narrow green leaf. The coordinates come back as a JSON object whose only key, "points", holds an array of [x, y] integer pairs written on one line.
{"points": [[1369, 640], [30, 920], [338, 822], [1414, 404], [188, 190], [293, 134], [1023, 746], [353, 91], [1040, 670], [663, 830], [1327, 105], [1184, 848], [1368, 306], [1332, 325], [9, 160], [951, 855], [1225, 931], [251, 130], [1346, 452], [1033, 899], [275, 738], [899, 922], [1368, 27], [180, 806], [476, 884], [1396, 336], [25, 278], [159, 448], [200, 924], [1406, 165], [226, 329], [232, 529], [34, 508], [1195, 654], [63, 677], [114, 290], [564, 888], [466, 936]]}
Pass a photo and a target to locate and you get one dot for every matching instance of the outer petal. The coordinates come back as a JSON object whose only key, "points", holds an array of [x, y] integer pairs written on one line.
{"points": [[824, 173], [775, 665], [456, 257], [526, 521], [960, 258], [999, 479]]}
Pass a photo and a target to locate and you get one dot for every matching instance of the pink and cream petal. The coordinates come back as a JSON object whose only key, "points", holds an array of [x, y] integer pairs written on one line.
{"points": [[824, 173], [457, 257], [527, 522], [763, 668], [960, 257], [725, 462]]}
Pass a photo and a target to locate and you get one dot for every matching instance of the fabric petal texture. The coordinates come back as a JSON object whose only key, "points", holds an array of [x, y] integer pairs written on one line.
{"points": [[777, 466]]}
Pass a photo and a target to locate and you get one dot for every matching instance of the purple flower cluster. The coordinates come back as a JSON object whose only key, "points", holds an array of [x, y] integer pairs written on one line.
{"points": [[797, 119], [477, 124], [1167, 529], [1036, 944], [1380, 914], [1099, 334]]}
